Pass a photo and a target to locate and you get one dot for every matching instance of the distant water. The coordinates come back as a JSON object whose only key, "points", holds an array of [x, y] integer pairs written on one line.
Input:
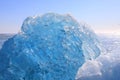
{"points": [[4, 37]]}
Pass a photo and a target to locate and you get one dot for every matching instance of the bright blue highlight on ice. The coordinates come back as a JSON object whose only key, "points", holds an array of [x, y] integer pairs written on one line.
{"points": [[48, 47]]}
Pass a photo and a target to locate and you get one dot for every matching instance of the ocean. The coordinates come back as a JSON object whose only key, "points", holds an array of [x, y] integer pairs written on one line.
{"points": [[4, 37]]}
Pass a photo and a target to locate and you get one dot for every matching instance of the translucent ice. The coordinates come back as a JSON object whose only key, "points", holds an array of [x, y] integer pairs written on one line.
{"points": [[48, 47], [107, 65]]}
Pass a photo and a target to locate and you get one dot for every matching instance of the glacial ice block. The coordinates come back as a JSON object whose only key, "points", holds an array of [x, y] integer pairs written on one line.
{"points": [[48, 47]]}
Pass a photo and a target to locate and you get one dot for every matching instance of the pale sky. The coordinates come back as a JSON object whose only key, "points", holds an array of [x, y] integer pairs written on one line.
{"points": [[102, 15]]}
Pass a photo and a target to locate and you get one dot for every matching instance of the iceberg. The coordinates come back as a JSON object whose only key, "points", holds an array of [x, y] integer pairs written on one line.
{"points": [[48, 47]]}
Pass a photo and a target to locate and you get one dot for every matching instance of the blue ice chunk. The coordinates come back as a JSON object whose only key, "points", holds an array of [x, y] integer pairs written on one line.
{"points": [[48, 47]]}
